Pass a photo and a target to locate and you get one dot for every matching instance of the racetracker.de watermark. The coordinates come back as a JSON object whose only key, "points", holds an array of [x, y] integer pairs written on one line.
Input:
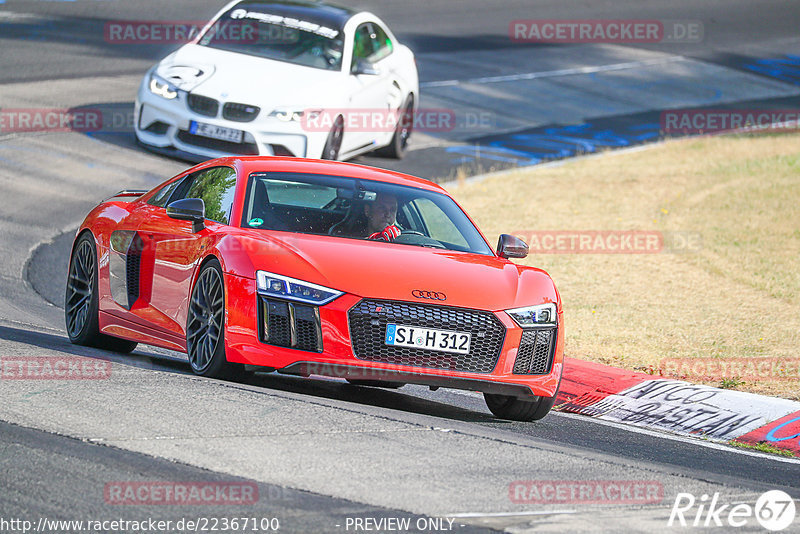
{"points": [[700, 121], [747, 369], [53, 368], [609, 241], [605, 31], [586, 491], [115, 119], [138, 32], [28, 120], [374, 120], [109, 119], [180, 493]]}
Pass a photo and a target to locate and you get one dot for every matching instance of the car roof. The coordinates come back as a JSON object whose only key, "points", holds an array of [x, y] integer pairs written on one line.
{"points": [[331, 15], [248, 165]]}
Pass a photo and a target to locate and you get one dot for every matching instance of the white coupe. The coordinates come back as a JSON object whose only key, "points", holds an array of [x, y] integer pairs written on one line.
{"points": [[304, 79]]}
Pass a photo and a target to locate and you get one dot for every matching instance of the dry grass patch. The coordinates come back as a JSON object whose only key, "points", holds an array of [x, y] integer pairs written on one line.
{"points": [[735, 300]]}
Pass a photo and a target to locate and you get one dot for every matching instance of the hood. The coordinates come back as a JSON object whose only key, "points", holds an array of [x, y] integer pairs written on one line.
{"points": [[391, 271], [235, 77]]}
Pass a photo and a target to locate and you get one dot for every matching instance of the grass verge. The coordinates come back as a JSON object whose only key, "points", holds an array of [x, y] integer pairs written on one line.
{"points": [[720, 304], [762, 447]]}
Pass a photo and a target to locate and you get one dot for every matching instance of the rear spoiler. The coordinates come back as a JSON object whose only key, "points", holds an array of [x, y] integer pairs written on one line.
{"points": [[128, 193]]}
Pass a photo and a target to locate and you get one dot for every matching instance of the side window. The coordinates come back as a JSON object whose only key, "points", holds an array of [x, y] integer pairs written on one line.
{"points": [[370, 43], [161, 198], [216, 186], [440, 226], [362, 43], [382, 45]]}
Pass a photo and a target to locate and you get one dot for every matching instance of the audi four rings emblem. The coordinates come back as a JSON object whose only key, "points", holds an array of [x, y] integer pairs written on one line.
{"points": [[431, 295]]}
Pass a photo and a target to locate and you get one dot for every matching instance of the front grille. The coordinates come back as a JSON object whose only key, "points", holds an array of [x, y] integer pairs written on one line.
{"points": [[203, 105], [244, 149], [291, 325], [132, 269], [234, 111], [368, 320], [535, 354]]}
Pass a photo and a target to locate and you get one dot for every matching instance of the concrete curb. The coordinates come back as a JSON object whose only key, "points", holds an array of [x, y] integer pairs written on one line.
{"points": [[705, 412]]}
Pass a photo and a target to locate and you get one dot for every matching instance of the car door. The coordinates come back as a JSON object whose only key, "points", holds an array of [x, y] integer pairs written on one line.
{"points": [[373, 92], [175, 250]]}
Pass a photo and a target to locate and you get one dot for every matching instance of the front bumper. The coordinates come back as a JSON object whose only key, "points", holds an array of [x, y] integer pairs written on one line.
{"points": [[165, 124], [244, 343]]}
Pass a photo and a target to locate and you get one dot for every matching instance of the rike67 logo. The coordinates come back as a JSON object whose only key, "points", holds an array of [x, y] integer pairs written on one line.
{"points": [[774, 511]]}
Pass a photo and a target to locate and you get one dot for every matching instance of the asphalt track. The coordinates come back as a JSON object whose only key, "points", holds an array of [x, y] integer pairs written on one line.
{"points": [[320, 451]]}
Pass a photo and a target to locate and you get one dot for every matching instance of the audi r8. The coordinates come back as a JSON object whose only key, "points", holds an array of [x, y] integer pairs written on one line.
{"points": [[304, 79], [248, 263]]}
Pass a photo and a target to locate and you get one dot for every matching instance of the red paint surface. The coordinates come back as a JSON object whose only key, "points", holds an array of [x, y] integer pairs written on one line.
{"points": [[585, 383], [782, 434]]}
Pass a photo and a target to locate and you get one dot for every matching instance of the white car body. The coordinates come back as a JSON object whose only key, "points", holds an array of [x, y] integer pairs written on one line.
{"points": [[280, 89]]}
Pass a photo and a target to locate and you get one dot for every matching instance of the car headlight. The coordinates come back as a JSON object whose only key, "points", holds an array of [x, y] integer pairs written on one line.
{"points": [[288, 115], [293, 289], [541, 315], [162, 88]]}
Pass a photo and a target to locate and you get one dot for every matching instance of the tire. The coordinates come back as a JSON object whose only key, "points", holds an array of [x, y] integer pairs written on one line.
{"points": [[81, 301], [205, 326], [334, 142], [517, 409], [397, 147]]}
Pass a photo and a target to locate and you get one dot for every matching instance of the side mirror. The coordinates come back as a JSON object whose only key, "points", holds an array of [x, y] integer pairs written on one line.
{"points": [[189, 209], [362, 66], [509, 246]]}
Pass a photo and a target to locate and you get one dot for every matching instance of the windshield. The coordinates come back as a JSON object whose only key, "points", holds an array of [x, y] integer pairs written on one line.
{"points": [[349, 208], [252, 29]]}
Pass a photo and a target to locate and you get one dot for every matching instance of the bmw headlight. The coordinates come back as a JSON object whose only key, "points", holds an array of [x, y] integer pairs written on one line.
{"points": [[275, 285], [159, 86], [296, 115], [541, 315], [287, 115]]}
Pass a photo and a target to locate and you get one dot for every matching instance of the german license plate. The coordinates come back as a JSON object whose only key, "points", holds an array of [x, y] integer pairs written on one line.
{"points": [[216, 132], [427, 338]]}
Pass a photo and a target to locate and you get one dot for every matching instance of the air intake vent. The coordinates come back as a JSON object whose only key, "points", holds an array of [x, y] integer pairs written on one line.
{"points": [[291, 325], [132, 269], [535, 354]]}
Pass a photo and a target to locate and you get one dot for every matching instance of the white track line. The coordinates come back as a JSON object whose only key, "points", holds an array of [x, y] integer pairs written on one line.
{"points": [[676, 437], [654, 433], [557, 73], [509, 514]]}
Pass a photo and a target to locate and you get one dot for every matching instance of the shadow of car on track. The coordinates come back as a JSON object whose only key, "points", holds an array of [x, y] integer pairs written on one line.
{"points": [[265, 383]]}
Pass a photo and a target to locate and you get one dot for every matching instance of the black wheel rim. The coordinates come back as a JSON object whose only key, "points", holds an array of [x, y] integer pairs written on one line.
{"points": [[80, 287], [334, 141], [206, 311], [406, 125]]}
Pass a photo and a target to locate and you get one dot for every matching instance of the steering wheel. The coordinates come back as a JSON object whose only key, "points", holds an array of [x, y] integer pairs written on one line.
{"points": [[413, 237]]}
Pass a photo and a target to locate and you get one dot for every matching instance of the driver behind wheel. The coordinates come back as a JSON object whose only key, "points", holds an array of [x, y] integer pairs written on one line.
{"points": [[381, 215]]}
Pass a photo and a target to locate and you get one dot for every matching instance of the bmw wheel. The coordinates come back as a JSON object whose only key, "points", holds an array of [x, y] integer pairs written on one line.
{"points": [[334, 142], [81, 303], [397, 147]]}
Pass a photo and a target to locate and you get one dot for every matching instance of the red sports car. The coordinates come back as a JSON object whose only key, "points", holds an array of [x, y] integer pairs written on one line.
{"points": [[318, 268]]}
